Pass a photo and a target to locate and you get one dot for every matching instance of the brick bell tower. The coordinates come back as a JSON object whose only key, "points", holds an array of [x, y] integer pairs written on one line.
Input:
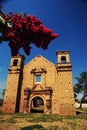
{"points": [[65, 84], [13, 87]]}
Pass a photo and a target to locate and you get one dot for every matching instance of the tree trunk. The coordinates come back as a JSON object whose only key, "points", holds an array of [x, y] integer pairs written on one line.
{"points": [[80, 107]]}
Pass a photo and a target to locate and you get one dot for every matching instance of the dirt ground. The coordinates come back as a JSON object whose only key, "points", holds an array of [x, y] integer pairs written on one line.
{"points": [[17, 122], [65, 124]]}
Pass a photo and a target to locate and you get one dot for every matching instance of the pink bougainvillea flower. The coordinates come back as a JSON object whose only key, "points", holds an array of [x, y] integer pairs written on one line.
{"points": [[22, 30]]}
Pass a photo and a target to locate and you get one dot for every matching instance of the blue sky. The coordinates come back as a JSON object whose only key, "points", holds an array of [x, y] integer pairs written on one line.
{"points": [[68, 18]]}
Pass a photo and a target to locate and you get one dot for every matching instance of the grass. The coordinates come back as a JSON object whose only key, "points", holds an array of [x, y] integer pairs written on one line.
{"points": [[39, 117], [53, 127], [84, 109], [72, 124], [11, 120], [36, 118], [82, 114]]}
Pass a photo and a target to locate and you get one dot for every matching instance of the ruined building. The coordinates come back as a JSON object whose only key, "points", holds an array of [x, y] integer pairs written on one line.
{"points": [[40, 78]]}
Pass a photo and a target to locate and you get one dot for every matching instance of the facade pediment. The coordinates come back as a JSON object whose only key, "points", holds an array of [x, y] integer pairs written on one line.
{"points": [[39, 61]]}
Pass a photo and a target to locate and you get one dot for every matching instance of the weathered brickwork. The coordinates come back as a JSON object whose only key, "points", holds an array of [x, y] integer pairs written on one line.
{"points": [[55, 85]]}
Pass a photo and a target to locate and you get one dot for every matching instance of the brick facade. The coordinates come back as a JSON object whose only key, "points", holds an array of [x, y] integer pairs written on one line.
{"points": [[54, 86]]}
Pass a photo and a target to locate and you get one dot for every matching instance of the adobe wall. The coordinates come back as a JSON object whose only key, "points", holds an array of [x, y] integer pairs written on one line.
{"points": [[43, 67], [55, 87]]}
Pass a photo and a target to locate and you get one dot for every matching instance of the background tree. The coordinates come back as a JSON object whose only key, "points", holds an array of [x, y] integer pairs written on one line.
{"points": [[1, 99], [3, 92], [81, 86], [75, 93]]}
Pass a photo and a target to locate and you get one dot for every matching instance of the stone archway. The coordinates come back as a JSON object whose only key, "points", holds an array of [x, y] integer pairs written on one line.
{"points": [[45, 96], [37, 105]]}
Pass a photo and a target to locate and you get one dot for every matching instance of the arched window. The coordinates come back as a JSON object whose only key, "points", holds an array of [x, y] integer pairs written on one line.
{"points": [[15, 62], [63, 59]]}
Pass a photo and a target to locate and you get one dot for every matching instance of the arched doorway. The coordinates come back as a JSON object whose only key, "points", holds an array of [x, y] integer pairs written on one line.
{"points": [[37, 105]]}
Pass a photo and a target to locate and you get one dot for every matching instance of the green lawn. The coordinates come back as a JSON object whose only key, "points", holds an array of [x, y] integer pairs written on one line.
{"points": [[47, 122]]}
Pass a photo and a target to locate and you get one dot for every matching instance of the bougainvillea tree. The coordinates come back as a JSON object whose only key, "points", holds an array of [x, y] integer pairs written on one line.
{"points": [[21, 30]]}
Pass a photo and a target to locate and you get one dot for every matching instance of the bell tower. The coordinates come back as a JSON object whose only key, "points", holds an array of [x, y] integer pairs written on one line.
{"points": [[13, 87], [65, 84]]}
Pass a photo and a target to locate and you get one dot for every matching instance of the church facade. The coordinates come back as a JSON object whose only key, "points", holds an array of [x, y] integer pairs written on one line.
{"points": [[40, 79]]}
